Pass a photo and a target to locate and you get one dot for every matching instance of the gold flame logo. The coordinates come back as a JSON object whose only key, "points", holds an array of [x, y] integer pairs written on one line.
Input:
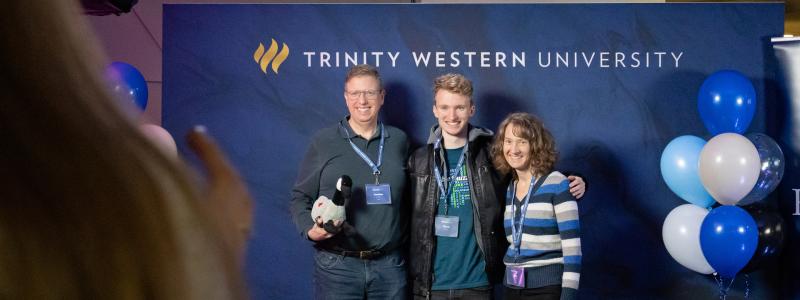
{"points": [[263, 56]]}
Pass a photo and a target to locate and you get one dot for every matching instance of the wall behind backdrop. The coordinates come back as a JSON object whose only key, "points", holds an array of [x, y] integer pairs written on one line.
{"points": [[614, 84]]}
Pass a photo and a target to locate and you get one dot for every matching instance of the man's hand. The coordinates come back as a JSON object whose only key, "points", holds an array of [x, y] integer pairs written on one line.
{"points": [[317, 233], [576, 186]]}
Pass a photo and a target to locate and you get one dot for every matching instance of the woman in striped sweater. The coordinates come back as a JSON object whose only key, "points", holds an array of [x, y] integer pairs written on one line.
{"points": [[541, 216]]}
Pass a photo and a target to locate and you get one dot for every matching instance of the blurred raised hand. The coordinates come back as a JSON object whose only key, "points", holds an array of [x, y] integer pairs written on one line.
{"points": [[228, 201]]}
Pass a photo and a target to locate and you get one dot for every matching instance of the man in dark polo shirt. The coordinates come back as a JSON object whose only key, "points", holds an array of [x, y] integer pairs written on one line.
{"points": [[369, 263]]}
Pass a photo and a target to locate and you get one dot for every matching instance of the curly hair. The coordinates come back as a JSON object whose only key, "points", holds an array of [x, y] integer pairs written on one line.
{"points": [[543, 154], [454, 83]]}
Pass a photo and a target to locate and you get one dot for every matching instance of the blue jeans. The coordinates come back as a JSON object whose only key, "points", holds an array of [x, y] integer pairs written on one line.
{"points": [[343, 277]]}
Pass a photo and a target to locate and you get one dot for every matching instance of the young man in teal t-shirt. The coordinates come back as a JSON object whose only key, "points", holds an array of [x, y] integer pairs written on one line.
{"points": [[457, 238]]}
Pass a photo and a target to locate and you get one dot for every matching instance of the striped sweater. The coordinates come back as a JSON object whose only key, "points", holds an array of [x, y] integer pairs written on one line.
{"points": [[550, 250]]}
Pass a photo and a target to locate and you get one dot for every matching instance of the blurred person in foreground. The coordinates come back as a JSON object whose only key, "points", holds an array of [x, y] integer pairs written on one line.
{"points": [[90, 208]]}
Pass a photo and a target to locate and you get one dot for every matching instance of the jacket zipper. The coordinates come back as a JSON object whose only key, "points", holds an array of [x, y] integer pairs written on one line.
{"points": [[475, 206], [432, 190]]}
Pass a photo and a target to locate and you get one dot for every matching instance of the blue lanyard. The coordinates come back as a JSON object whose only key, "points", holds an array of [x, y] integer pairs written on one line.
{"points": [[375, 167], [445, 192], [516, 234]]}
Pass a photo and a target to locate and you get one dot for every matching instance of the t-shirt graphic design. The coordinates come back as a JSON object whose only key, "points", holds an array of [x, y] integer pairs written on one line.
{"points": [[460, 189]]}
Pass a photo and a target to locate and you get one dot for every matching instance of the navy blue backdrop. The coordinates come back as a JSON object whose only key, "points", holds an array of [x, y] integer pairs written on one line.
{"points": [[614, 84]]}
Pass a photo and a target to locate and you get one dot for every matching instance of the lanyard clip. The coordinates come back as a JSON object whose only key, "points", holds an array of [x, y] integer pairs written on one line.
{"points": [[377, 174]]}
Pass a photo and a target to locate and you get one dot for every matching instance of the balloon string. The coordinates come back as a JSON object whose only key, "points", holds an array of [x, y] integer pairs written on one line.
{"points": [[746, 286], [723, 288]]}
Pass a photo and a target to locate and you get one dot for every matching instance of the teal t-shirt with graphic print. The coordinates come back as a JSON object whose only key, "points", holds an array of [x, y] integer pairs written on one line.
{"points": [[458, 263]]}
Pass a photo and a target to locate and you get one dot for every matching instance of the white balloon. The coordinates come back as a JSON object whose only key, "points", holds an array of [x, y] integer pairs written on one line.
{"points": [[729, 166], [681, 234]]}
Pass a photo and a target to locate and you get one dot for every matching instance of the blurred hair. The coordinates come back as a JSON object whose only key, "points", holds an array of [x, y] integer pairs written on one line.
{"points": [[543, 154], [90, 209], [454, 83]]}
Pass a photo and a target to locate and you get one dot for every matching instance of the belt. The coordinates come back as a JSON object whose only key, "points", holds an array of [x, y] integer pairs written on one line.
{"points": [[366, 254]]}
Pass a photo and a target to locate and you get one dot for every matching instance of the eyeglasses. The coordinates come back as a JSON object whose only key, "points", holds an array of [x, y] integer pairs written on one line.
{"points": [[369, 94]]}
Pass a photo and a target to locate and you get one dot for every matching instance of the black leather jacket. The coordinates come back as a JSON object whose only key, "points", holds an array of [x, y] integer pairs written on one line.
{"points": [[487, 190]]}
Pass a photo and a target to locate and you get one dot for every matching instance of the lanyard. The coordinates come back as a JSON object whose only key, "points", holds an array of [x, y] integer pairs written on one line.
{"points": [[516, 232], [375, 167], [445, 192]]}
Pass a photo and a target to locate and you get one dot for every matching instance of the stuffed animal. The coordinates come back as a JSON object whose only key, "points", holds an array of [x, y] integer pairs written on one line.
{"points": [[330, 213]]}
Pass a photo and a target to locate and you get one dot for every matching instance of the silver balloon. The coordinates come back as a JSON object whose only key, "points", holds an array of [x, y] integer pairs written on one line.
{"points": [[772, 166], [729, 167]]}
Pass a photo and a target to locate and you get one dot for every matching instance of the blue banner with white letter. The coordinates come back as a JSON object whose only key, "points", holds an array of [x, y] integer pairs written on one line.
{"points": [[614, 83]]}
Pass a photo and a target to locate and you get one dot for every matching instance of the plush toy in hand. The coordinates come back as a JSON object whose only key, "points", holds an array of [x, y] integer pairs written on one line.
{"points": [[330, 213]]}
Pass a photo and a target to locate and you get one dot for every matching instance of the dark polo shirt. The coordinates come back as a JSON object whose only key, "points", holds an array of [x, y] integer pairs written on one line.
{"points": [[329, 157]]}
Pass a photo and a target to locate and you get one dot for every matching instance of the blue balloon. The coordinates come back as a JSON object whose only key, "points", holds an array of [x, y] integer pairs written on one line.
{"points": [[728, 238], [772, 167], [727, 102], [127, 83], [679, 170]]}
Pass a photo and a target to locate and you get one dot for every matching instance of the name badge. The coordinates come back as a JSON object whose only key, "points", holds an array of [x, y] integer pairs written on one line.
{"points": [[378, 193], [515, 276], [446, 226]]}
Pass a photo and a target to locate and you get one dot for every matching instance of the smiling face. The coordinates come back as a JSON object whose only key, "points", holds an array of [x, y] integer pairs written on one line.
{"points": [[516, 149], [524, 145], [364, 97], [453, 111]]}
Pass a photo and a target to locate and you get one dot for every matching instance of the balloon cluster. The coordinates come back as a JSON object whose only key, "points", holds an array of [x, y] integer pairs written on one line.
{"points": [[128, 86], [736, 171]]}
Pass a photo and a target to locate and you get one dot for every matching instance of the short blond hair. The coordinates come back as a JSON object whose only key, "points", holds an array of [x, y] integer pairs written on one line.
{"points": [[454, 83], [363, 70]]}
